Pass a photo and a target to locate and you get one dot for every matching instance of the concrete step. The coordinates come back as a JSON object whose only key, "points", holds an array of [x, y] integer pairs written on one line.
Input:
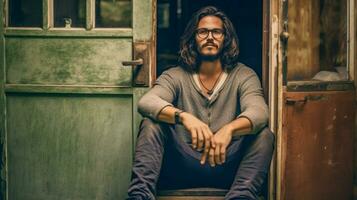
{"points": [[192, 194], [190, 198]]}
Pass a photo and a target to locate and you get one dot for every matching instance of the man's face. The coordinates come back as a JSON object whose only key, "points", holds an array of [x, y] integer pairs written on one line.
{"points": [[209, 37]]}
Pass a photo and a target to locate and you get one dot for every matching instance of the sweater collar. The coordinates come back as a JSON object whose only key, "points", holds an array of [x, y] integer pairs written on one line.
{"points": [[220, 85]]}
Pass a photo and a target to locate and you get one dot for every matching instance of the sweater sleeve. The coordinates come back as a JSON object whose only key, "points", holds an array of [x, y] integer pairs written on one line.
{"points": [[162, 94], [252, 102]]}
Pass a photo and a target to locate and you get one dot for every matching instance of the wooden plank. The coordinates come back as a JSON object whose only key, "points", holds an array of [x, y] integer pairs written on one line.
{"points": [[69, 146], [90, 14], [195, 198], [67, 89], [272, 86], [277, 67], [74, 32], [190, 198], [265, 48], [143, 20], [153, 45], [194, 192], [3, 152], [68, 61], [46, 14], [304, 40], [273, 94], [319, 86], [318, 145], [351, 35], [355, 81], [5, 14]]}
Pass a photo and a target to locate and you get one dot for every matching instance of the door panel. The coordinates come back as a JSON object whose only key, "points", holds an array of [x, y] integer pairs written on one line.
{"points": [[318, 101], [70, 106], [317, 142], [68, 146], [68, 61], [111, 13]]}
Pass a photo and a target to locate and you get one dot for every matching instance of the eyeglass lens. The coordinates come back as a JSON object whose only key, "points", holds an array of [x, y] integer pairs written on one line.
{"points": [[203, 33]]}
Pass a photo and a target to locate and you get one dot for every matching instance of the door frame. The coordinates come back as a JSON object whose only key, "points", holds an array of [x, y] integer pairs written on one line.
{"points": [[269, 79]]}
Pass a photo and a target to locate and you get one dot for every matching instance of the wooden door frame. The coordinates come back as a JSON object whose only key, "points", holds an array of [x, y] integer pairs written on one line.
{"points": [[3, 152], [268, 82], [275, 79]]}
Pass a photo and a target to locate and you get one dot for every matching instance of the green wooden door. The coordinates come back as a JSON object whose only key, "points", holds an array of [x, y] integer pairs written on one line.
{"points": [[69, 119]]}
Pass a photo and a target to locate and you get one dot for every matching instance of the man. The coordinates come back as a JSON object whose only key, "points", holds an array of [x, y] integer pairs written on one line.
{"points": [[205, 119]]}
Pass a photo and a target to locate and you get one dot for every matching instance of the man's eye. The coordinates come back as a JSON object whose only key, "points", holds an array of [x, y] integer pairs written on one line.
{"points": [[202, 31]]}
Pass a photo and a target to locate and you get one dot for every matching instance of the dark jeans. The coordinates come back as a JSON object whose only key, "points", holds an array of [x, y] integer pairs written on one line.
{"points": [[163, 161]]}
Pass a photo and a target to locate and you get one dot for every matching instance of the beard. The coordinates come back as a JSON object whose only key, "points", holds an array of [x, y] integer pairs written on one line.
{"points": [[205, 57], [210, 57]]}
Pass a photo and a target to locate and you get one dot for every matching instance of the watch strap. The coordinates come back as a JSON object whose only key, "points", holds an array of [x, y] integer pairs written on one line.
{"points": [[177, 117]]}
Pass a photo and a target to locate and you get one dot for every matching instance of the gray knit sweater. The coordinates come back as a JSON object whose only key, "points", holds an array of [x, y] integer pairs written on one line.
{"points": [[240, 95]]}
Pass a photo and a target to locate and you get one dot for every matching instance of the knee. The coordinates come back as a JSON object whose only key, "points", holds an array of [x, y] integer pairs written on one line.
{"points": [[148, 123], [150, 128]]}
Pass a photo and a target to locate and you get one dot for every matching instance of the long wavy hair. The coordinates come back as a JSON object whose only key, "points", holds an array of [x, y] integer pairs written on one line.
{"points": [[189, 57]]}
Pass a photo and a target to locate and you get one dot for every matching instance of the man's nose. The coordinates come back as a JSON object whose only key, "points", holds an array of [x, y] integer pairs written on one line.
{"points": [[210, 35], [210, 39]]}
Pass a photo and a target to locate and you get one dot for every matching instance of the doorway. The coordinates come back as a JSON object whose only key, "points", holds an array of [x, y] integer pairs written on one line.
{"points": [[247, 18]]}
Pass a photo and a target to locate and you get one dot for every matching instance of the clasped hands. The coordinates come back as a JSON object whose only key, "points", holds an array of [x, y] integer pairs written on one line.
{"points": [[214, 145]]}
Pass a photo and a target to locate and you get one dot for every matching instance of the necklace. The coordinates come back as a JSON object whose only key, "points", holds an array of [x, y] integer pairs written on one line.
{"points": [[210, 91]]}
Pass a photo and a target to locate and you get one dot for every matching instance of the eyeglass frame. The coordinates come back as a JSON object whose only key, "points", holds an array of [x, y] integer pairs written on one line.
{"points": [[210, 31]]}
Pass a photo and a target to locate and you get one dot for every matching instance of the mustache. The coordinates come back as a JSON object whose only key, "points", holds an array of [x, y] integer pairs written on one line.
{"points": [[209, 44]]}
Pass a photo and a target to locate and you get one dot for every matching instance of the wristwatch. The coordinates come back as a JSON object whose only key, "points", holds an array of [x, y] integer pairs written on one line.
{"points": [[177, 117]]}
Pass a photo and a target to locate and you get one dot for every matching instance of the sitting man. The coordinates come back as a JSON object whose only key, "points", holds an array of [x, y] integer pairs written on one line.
{"points": [[206, 119]]}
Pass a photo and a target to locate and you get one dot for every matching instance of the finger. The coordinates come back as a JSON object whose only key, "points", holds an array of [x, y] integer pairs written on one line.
{"points": [[207, 138], [200, 139], [194, 138], [204, 157], [217, 152], [211, 134], [207, 147], [223, 154], [211, 157], [213, 142]]}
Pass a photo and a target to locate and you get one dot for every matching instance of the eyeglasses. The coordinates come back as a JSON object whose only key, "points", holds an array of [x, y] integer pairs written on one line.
{"points": [[203, 33]]}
